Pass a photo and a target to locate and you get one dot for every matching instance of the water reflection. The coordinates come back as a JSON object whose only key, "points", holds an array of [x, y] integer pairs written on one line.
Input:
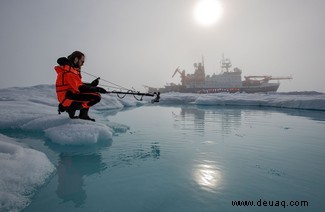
{"points": [[221, 120], [226, 120], [134, 155], [207, 175], [71, 171], [310, 114]]}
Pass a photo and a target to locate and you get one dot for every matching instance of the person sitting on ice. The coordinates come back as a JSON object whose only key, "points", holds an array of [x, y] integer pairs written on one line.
{"points": [[71, 92]]}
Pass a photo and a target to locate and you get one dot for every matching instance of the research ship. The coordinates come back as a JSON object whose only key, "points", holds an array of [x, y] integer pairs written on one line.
{"points": [[227, 81]]}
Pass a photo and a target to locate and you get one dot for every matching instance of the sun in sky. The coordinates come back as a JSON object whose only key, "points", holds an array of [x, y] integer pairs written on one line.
{"points": [[207, 12]]}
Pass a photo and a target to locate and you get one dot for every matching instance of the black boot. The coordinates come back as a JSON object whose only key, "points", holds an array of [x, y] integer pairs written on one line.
{"points": [[84, 114], [72, 113], [71, 110]]}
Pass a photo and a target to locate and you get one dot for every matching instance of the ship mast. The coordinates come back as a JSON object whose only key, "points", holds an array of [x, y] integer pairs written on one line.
{"points": [[225, 63], [203, 61]]}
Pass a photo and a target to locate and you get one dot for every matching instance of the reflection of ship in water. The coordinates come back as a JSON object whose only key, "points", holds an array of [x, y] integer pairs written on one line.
{"points": [[221, 120], [227, 120], [226, 81]]}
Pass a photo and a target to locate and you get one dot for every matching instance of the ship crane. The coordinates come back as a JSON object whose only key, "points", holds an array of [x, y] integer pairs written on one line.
{"points": [[177, 71], [182, 73], [281, 78], [258, 80], [266, 78]]}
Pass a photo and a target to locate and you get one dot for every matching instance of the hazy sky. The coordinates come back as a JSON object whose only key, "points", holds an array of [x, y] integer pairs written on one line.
{"points": [[142, 42]]}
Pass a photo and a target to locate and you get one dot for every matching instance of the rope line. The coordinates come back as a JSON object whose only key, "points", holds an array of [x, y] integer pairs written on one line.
{"points": [[118, 86], [121, 94]]}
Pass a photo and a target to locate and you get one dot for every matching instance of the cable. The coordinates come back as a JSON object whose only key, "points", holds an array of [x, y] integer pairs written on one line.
{"points": [[119, 86], [122, 94]]}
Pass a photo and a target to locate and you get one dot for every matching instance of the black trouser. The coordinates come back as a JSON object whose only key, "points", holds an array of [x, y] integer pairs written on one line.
{"points": [[82, 100]]}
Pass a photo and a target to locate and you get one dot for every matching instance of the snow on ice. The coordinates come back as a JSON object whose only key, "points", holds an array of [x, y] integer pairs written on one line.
{"points": [[22, 170], [297, 100], [34, 109]]}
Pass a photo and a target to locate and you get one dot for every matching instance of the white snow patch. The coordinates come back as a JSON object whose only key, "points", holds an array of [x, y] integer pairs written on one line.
{"points": [[22, 170], [78, 133]]}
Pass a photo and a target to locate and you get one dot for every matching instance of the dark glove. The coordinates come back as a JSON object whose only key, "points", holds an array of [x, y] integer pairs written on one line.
{"points": [[95, 82], [89, 89], [100, 90]]}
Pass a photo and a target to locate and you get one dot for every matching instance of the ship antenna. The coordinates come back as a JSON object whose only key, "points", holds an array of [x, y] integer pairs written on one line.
{"points": [[203, 61]]}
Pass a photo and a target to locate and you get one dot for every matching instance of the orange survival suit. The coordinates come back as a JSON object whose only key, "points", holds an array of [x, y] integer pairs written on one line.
{"points": [[71, 91], [68, 79]]}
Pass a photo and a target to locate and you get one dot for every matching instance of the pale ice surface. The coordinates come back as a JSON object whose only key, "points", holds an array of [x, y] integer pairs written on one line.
{"points": [[22, 170], [299, 100], [34, 109]]}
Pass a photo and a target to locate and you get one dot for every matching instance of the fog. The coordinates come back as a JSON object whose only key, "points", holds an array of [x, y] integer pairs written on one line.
{"points": [[141, 42]]}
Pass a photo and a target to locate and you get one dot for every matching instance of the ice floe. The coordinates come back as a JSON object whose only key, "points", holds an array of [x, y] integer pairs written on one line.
{"points": [[22, 170]]}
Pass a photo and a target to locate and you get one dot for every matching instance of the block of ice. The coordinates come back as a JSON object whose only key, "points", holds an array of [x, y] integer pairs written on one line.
{"points": [[22, 170]]}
